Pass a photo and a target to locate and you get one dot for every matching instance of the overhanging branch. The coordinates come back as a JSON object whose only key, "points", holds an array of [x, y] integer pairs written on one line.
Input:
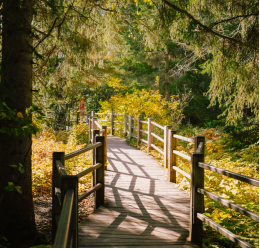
{"points": [[207, 29]]}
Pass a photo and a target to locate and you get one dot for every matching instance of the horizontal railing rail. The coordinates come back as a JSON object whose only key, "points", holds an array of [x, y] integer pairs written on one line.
{"points": [[231, 174], [78, 152]]}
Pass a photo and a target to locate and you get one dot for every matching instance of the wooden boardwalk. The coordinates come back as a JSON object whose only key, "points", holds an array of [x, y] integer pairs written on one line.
{"points": [[141, 208]]}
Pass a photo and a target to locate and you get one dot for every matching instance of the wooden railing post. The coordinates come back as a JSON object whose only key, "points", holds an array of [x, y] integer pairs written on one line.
{"points": [[56, 183], [100, 172], [112, 124], [105, 145], [130, 126], [172, 143], [196, 199], [94, 124], [95, 133], [69, 181], [150, 137], [139, 127], [90, 129], [197, 141], [125, 124], [165, 145]]}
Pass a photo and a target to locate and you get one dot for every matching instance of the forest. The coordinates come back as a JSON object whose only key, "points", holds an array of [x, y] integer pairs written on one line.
{"points": [[190, 64]]}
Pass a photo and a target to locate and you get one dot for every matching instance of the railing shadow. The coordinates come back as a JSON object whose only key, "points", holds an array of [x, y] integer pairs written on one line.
{"points": [[136, 217]]}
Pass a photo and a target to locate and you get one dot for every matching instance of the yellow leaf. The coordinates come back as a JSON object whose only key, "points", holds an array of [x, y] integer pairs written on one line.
{"points": [[19, 189], [20, 115]]}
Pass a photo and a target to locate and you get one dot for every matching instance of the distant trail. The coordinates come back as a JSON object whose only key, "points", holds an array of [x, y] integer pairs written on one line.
{"points": [[141, 208]]}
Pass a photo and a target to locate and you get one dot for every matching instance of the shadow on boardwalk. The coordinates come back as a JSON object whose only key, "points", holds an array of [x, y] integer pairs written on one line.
{"points": [[141, 208]]}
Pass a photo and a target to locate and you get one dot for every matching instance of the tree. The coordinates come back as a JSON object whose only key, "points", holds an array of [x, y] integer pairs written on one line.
{"points": [[16, 210]]}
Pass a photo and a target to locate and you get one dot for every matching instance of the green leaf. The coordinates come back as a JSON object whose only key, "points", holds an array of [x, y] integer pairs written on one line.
{"points": [[10, 188], [21, 170], [14, 166]]}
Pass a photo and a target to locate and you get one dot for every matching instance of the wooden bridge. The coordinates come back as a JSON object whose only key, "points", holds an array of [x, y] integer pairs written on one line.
{"points": [[141, 208], [137, 203]]}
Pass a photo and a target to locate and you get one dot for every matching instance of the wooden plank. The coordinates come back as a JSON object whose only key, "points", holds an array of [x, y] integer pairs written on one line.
{"points": [[231, 174], [141, 208]]}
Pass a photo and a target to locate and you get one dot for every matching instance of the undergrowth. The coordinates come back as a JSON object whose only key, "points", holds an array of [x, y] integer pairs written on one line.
{"points": [[50, 141]]}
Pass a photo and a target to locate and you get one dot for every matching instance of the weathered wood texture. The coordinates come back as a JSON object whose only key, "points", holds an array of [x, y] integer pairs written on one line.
{"points": [[142, 209]]}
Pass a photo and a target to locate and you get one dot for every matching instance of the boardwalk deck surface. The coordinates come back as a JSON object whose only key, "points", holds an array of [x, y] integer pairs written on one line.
{"points": [[141, 208]]}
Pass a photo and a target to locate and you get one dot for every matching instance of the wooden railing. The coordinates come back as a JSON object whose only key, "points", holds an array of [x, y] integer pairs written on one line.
{"points": [[65, 192], [196, 160]]}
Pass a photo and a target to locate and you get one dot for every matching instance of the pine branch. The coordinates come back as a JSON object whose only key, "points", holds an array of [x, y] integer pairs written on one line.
{"points": [[48, 34], [207, 29]]}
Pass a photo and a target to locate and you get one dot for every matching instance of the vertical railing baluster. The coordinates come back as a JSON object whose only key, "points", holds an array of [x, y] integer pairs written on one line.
{"points": [[139, 127], [165, 145], [125, 124], [105, 136], [112, 124], [150, 137], [171, 157], [130, 126], [100, 172], [56, 182], [196, 199]]}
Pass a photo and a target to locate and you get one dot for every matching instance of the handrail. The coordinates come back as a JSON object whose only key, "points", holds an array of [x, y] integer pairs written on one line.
{"points": [[159, 126], [157, 137], [159, 150], [89, 192], [61, 237], [144, 122], [104, 120], [143, 140], [181, 171], [229, 204], [191, 140], [181, 155], [89, 170], [223, 231], [231, 174], [144, 131], [78, 152]]}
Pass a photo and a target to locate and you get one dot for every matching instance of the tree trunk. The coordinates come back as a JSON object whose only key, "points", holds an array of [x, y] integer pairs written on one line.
{"points": [[17, 221]]}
